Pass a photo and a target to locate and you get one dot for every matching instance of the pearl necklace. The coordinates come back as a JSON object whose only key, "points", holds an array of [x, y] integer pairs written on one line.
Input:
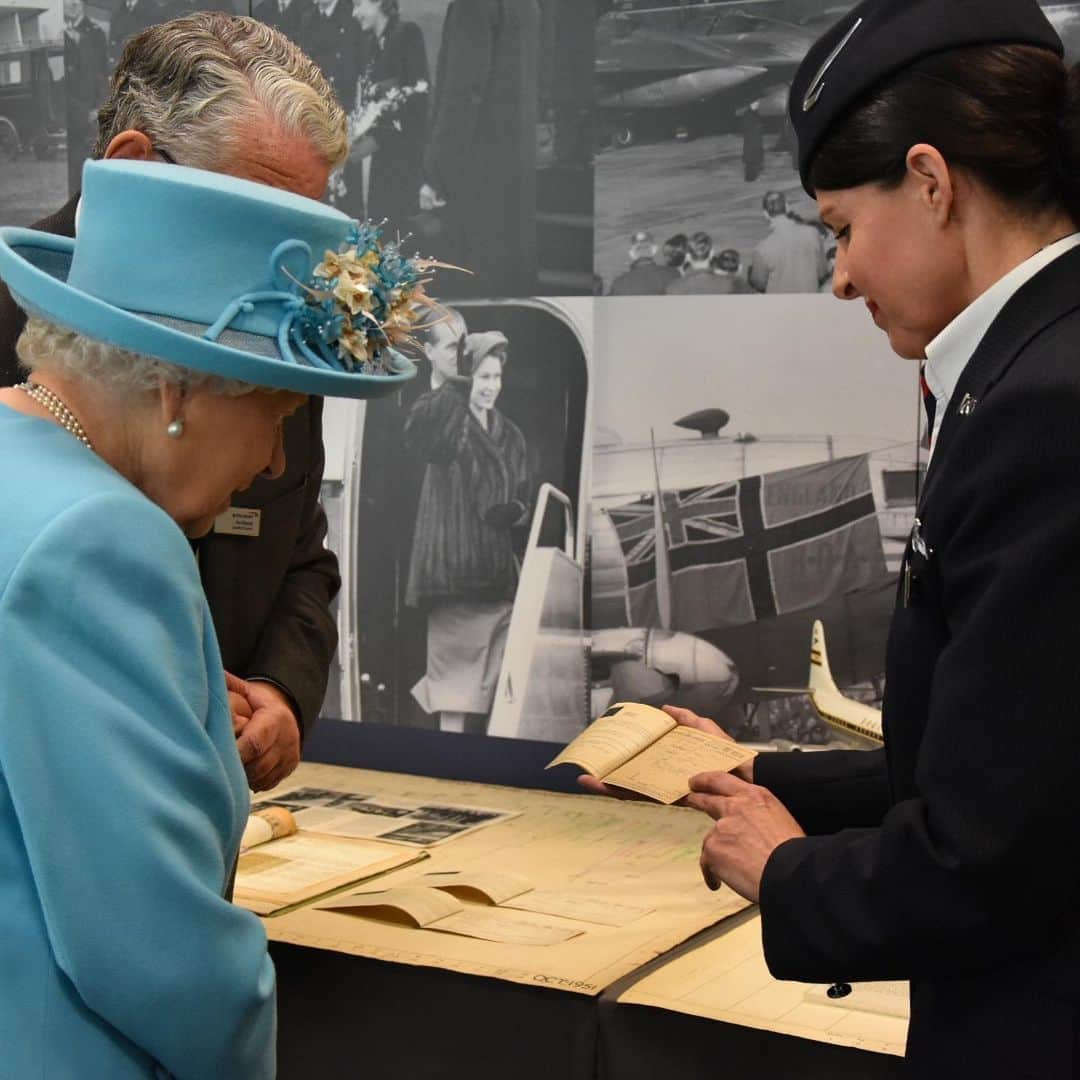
{"points": [[53, 404]]}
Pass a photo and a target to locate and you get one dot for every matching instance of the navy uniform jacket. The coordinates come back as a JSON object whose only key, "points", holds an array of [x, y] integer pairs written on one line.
{"points": [[270, 596], [959, 866]]}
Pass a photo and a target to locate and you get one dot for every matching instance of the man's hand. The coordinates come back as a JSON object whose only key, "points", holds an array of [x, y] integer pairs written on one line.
{"points": [[429, 198], [268, 737], [238, 703], [750, 824]]}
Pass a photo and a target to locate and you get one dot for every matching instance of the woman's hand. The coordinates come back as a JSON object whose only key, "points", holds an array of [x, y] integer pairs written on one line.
{"points": [[750, 824]]}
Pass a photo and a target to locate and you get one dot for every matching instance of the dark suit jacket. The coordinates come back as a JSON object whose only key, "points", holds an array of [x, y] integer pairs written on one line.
{"points": [[960, 866], [270, 596]]}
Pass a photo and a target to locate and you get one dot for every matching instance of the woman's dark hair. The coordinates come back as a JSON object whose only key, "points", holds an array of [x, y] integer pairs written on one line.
{"points": [[391, 9], [1009, 114]]}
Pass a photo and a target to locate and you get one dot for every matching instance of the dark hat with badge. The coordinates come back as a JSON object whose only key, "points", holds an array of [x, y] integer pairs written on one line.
{"points": [[878, 38]]}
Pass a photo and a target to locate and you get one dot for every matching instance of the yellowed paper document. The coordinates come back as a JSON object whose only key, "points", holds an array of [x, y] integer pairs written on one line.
{"points": [[727, 979], [296, 868], [270, 823], [614, 738], [662, 771], [642, 749], [417, 905], [489, 885], [436, 909], [640, 856], [589, 909]]}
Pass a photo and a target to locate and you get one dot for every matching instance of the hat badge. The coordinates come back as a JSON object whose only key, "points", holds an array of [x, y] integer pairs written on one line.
{"points": [[817, 84]]}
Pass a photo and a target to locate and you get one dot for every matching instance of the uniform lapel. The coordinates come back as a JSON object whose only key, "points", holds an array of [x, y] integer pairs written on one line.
{"points": [[1039, 303]]}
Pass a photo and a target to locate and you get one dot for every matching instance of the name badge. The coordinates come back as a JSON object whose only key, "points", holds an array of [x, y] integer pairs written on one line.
{"points": [[238, 521]]}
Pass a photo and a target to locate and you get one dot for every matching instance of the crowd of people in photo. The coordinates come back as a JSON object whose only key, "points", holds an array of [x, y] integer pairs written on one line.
{"points": [[442, 148], [795, 256]]}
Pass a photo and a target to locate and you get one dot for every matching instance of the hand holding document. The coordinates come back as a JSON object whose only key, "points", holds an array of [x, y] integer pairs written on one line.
{"points": [[645, 750]]}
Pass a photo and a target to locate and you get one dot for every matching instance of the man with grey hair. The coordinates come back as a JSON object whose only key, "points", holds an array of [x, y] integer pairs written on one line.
{"points": [[229, 94]]}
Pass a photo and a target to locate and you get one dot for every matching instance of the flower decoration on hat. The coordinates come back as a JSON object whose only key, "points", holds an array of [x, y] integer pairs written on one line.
{"points": [[364, 303]]}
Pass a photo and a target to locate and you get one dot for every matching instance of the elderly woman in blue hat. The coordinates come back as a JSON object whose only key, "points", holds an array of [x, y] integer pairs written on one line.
{"points": [[941, 139], [161, 370]]}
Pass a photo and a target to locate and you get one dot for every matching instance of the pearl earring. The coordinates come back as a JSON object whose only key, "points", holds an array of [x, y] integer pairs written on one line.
{"points": [[175, 429]]}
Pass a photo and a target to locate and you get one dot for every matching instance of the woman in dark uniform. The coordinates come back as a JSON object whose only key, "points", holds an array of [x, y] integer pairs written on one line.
{"points": [[940, 139], [393, 59]]}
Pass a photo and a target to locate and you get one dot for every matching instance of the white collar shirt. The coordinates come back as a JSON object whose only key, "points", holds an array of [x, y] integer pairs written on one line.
{"points": [[948, 354]]}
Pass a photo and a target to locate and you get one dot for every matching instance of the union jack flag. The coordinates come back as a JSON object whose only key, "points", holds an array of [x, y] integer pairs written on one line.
{"points": [[699, 515], [753, 548]]}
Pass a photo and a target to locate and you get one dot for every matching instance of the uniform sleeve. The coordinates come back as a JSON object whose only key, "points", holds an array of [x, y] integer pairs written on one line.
{"points": [[981, 867], [828, 790], [299, 637], [114, 747]]}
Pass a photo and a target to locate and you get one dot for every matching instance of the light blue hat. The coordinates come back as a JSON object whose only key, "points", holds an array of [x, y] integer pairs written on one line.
{"points": [[208, 272]]}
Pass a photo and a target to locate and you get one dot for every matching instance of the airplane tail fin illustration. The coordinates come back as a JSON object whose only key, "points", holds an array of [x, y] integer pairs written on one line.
{"points": [[820, 674]]}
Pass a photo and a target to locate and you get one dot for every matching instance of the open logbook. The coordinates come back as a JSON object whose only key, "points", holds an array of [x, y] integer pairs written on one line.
{"points": [[643, 749]]}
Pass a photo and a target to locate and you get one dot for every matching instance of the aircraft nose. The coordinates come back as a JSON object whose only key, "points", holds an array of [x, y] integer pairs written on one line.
{"points": [[691, 659]]}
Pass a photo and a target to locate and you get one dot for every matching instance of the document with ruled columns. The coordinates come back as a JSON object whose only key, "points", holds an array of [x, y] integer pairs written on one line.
{"points": [[727, 979], [644, 750], [579, 853]]}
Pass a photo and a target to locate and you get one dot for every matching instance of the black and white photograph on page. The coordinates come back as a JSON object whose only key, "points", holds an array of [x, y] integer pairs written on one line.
{"points": [[457, 510], [470, 126], [750, 475], [696, 188]]}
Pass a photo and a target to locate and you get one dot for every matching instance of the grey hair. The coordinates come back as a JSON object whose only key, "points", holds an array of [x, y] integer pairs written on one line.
{"points": [[196, 84], [44, 346]]}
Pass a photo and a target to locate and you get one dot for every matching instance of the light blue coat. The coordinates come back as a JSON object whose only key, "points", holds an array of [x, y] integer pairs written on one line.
{"points": [[122, 798]]}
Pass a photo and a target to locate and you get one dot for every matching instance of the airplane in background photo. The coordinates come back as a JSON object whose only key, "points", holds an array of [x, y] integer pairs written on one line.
{"points": [[667, 67], [845, 714], [693, 67]]}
